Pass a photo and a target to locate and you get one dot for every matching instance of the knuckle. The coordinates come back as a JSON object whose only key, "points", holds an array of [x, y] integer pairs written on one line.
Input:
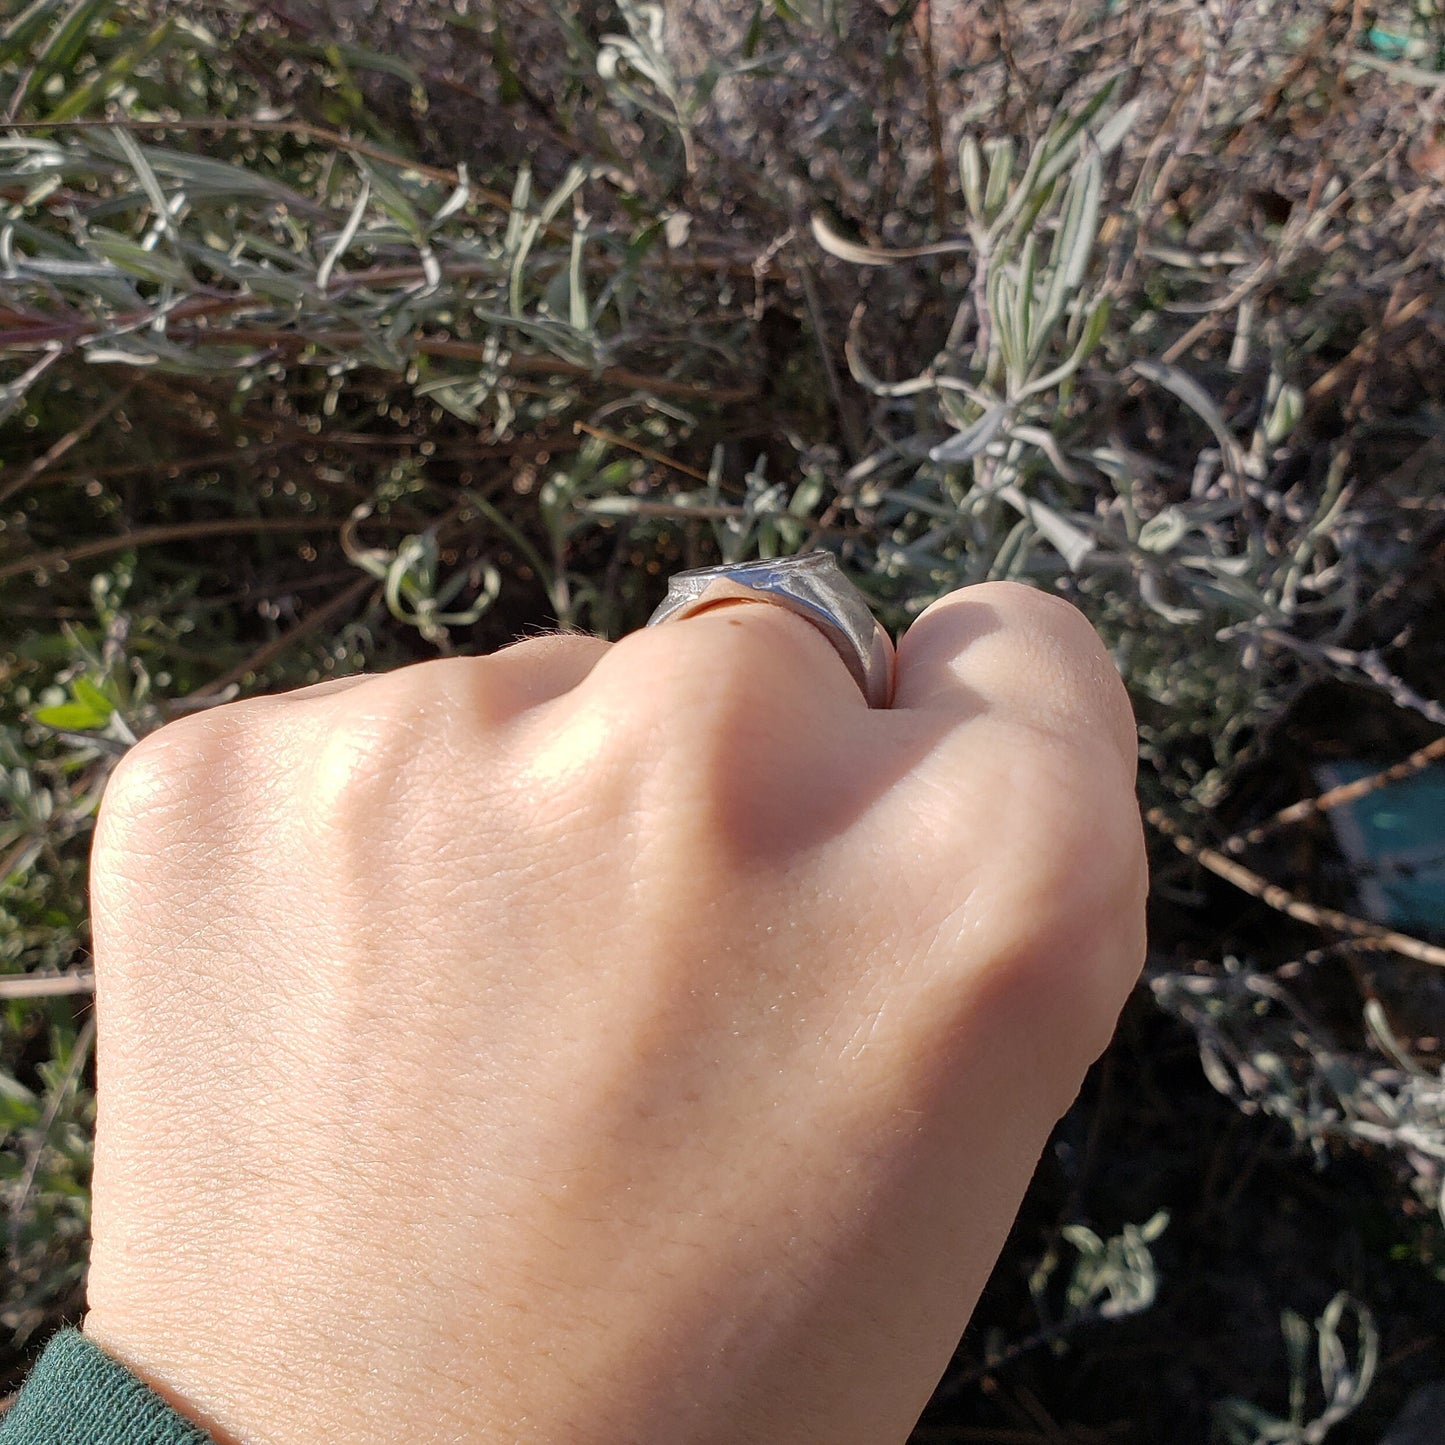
{"points": [[1047, 621], [717, 693], [1045, 873], [163, 775], [161, 808], [705, 677], [441, 694], [1081, 693], [365, 744], [1034, 608], [705, 730], [1076, 888], [361, 749]]}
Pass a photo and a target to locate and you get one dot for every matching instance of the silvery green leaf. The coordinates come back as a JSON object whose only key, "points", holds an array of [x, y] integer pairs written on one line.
{"points": [[1051, 379], [577, 175], [392, 199], [263, 281], [676, 228], [1346, 1387], [525, 240], [840, 246], [1216, 1071], [1189, 391], [1238, 566], [623, 506], [459, 396], [1110, 135], [1284, 416], [557, 337], [1044, 440], [844, 249], [454, 202], [1063, 143], [1151, 593], [870, 380], [1228, 593], [1164, 532], [1080, 229], [1094, 329], [1153, 1227], [1000, 172], [63, 270], [362, 58], [969, 443], [138, 260], [344, 240], [1028, 267], [578, 315], [970, 170], [1071, 543], [147, 177], [13, 394], [205, 176], [1000, 306], [517, 218], [116, 354]]}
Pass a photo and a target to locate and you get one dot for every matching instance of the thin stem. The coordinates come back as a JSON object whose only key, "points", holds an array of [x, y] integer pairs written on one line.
{"points": [[172, 532], [1291, 904]]}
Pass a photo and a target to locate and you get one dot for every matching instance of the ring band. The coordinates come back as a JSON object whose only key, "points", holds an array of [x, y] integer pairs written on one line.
{"points": [[812, 586]]}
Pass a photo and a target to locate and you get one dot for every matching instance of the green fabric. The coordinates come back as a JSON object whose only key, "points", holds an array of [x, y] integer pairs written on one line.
{"points": [[78, 1395]]}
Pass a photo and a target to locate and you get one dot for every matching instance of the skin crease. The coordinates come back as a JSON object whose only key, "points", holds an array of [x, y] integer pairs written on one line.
{"points": [[602, 1042]]}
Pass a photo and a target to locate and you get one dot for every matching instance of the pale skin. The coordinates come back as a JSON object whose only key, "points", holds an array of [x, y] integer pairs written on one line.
{"points": [[602, 1043]]}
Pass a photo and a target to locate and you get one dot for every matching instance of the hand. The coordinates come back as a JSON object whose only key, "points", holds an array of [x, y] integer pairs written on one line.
{"points": [[602, 1043]]}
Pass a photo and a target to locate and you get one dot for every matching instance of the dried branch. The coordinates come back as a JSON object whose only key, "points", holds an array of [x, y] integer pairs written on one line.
{"points": [[172, 532], [1292, 904], [1308, 808]]}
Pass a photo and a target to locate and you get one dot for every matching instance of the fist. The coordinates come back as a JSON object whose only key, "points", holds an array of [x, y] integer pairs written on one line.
{"points": [[602, 1042]]}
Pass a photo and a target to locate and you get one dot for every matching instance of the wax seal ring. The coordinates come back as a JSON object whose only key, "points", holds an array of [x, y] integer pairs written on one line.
{"points": [[814, 587]]}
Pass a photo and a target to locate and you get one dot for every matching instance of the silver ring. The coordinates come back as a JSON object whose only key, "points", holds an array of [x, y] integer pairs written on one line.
{"points": [[814, 587]]}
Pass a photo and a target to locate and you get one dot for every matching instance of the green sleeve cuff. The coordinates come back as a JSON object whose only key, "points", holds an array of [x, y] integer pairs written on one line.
{"points": [[78, 1395]]}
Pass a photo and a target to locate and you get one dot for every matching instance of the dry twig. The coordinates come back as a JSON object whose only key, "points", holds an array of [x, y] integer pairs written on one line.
{"points": [[1281, 899], [1299, 812]]}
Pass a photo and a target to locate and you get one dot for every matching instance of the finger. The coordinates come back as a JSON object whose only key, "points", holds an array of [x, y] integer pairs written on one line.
{"points": [[1021, 655], [318, 690], [742, 653], [496, 686], [1028, 787]]}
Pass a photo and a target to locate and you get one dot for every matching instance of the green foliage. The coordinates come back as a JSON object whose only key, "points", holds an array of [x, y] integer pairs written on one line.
{"points": [[1110, 1278], [45, 1174], [1344, 1382]]}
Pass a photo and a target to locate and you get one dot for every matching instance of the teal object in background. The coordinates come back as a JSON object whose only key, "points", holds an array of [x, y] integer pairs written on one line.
{"points": [[1388, 43], [1395, 837]]}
